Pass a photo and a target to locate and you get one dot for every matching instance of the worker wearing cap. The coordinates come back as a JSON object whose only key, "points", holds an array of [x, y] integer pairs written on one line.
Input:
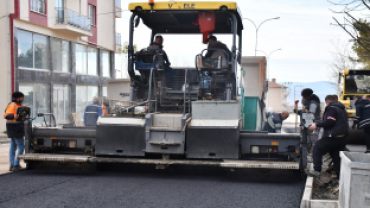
{"points": [[213, 45], [158, 45], [275, 122], [92, 113], [362, 118], [311, 103], [105, 105], [336, 130], [15, 130]]}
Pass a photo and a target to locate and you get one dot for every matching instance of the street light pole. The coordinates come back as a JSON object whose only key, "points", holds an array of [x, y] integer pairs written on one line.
{"points": [[258, 28], [268, 72]]}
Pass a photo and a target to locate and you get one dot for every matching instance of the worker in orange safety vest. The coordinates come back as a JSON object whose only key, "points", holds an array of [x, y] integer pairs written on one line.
{"points": [[15, 130]]}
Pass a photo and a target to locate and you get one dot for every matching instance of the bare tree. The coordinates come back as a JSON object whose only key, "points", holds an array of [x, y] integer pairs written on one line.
{"points": [[351, 24]]}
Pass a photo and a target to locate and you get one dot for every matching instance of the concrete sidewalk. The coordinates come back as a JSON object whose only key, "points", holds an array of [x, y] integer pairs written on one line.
{"points": [[4, 139], [4, 159]]}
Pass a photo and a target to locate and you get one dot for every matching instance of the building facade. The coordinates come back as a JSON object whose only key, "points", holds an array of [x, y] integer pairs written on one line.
{"points": [[276, 97], [59, 53]]}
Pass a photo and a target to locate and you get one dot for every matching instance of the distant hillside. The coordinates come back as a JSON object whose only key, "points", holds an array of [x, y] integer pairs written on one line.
{"points": [[321, 89]]}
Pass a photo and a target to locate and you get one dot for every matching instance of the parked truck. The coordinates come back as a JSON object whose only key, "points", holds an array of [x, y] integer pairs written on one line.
{"points": [[209, 114]]}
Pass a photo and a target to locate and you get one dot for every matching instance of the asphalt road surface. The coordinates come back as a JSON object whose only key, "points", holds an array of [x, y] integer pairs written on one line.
{"points": [[142, 188]]}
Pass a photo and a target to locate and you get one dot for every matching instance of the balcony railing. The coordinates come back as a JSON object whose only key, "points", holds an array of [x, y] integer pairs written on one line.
{"points": [[118, 3], [66, 16], [118, 38]]}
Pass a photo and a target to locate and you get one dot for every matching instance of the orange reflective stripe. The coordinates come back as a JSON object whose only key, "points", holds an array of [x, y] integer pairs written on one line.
{"points": [[12, 111]]}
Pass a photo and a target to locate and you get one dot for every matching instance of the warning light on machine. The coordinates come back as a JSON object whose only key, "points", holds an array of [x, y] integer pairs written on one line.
{"points": [[275, 143]]}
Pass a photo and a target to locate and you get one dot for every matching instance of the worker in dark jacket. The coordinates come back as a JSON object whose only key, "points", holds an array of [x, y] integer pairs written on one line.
{"points": [[312, 105], [92, 113], [362, 118], [15, 130], [214, 44], [336, 129], [158, 47], [275, 122]]}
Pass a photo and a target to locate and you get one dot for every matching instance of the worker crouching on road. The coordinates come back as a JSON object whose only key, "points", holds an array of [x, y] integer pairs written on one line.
{"points": [[275, 122], [362, 118], [92, 113], [336, 129], [105, 105], [15, 130]]}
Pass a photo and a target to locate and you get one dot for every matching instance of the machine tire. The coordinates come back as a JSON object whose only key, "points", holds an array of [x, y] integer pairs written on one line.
{"points": [[30, 165], [302, 166]]}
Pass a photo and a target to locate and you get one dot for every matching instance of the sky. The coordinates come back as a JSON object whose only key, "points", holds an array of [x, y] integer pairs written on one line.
{"points": [[304, 33]]}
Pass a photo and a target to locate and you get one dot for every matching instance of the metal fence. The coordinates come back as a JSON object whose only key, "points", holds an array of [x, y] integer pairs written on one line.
{"points": [[66, 16]]}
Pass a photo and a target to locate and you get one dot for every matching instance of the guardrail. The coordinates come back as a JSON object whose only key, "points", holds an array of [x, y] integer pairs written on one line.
{"points": [[66, 16]]}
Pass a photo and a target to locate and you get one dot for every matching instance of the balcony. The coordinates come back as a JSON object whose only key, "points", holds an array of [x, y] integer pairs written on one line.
{"points": [[118, 43], [118, 8], [71, 21]]}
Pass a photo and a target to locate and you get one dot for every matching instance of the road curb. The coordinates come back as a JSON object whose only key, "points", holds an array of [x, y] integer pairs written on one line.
{"points": [[4, 141], [308, 202]]}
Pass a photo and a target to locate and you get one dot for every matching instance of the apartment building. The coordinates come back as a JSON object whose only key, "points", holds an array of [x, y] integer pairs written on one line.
{"points": [[59, 53]]}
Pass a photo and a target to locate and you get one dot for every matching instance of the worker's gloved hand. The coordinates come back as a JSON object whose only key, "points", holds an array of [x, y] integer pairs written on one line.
{"points": [[296, 102]]}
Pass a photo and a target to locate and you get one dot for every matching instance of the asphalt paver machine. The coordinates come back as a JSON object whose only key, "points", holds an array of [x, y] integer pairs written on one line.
{"points": [[355, 83], [183, 116]]}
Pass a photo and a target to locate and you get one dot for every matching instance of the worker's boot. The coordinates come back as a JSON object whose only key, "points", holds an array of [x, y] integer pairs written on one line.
{"points": [[11, 168], [367, 151], [313, 173], [17, 168]]}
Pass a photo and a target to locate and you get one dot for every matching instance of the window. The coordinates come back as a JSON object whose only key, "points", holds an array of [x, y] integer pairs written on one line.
{"points": [[38, 6], [61, 103], [92, 14], [25, 49], [86, 60], [60, 54], [33, 50], [41, 52], [106, 63], [105, 91], [84, 97], [92, 61], [37, 97]]}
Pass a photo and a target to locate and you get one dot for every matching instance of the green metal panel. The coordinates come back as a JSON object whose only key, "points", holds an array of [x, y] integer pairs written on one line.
{"points": [[250, 113]]}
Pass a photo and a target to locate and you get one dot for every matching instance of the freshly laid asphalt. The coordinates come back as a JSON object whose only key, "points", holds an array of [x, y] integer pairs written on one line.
{"points": [[177, 187]]}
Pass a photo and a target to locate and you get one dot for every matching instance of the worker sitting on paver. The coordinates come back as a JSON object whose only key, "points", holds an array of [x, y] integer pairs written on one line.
{"points": [[362, 118], [215, 50], [336, 129], [92, 113], [105, 105], [275, 122], [15, 130], [157, 46]]}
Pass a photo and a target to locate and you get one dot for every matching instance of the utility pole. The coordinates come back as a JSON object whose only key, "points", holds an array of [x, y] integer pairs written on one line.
{"points": [[296, 115], [268, 72]]}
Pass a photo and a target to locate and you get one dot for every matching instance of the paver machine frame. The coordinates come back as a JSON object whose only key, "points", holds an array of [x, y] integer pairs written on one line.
{"points": [[189, 116]]}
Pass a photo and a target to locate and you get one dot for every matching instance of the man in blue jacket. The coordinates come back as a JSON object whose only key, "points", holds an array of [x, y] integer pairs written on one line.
{"points": [[362, 118], [92, 113]]}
